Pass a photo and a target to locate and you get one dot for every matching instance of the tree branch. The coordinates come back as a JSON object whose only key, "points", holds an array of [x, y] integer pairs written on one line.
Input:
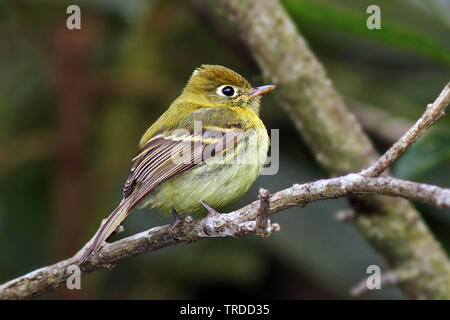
{"points": [[251, 219], [387, 279], [234, 224], [432, 114], [379, 123], [392, 226]]}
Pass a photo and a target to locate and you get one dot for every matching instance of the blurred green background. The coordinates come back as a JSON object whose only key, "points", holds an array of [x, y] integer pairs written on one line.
{"points": [[73, 105]]}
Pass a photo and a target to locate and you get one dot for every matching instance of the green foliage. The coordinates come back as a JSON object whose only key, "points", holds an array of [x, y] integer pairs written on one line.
{"points": [[142, 55], [353, 22]]}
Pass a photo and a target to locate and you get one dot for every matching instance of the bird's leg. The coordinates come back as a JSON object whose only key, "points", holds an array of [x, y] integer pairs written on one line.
{"points": [[177, 220], [211, 213]]}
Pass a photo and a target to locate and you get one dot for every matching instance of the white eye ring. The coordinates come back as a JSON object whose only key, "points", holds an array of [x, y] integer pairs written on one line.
{"points": [[220, 91]]}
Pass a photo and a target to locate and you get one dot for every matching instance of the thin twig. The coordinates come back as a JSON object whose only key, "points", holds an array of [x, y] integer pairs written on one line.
{"points": [[337, 141], [242, 221], [387, 279], [346, 215], [432, 114], [379, 123], [236, 223]]}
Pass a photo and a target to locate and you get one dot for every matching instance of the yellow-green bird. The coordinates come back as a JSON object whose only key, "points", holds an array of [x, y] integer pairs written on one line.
{"points": [[206, 150]]}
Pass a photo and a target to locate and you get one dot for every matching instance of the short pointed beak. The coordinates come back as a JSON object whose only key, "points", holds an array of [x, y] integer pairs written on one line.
{"points": [[259, 91]]}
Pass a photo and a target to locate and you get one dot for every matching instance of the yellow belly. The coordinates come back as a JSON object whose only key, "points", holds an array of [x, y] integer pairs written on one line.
{"points": [[217, 182]]}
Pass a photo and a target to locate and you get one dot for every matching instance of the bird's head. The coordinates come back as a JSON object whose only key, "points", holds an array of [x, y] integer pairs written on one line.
{"points": [[217, 86]]}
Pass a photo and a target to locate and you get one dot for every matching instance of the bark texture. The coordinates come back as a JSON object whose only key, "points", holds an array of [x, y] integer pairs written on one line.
{"points": [[392, 226], [251, 219]]}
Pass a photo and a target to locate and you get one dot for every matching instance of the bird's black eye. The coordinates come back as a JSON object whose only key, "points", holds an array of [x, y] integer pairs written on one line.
{"points": [[228, 91]]}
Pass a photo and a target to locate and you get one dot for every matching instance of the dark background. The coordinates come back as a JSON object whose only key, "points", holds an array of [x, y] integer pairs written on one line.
{"points": [[73, 105]]}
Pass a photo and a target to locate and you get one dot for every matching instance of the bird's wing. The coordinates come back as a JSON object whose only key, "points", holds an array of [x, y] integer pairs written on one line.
{"points": [[165, 156]]}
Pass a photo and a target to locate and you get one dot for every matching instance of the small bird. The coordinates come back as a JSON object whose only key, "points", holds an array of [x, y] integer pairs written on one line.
{"points": [[205, 151]]}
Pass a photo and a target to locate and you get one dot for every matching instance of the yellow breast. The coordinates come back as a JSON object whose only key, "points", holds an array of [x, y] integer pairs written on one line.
{"points": [[218, 181]]}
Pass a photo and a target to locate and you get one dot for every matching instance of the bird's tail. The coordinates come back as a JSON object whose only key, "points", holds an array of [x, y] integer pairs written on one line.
{"points": [[108, 226]]}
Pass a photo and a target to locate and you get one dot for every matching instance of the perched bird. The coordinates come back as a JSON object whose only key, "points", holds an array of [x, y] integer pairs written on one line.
{"points": [[206, 150]]}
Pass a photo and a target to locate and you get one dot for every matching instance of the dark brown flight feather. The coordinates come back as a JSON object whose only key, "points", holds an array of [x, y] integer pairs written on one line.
{"points": [[154, 165]]}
